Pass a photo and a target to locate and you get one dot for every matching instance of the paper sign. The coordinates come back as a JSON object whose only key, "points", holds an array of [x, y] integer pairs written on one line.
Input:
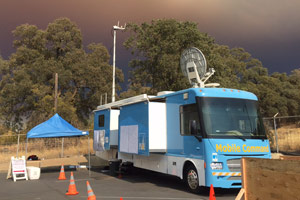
{"points": [[99, 137], [18, 166], [129, 139]]}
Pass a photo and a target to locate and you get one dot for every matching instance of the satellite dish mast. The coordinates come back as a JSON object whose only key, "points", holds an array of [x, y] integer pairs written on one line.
{"points": [[193, 66]]}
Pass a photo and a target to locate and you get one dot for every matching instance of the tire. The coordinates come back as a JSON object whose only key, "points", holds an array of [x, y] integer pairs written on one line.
{"points": [[192, 180]]}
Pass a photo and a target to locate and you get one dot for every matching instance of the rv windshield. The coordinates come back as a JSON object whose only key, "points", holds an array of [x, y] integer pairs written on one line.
{"points": [[229, 117]]}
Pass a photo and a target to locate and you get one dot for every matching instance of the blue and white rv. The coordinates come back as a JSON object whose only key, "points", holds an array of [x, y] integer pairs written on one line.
{"points": [[198, 134]]}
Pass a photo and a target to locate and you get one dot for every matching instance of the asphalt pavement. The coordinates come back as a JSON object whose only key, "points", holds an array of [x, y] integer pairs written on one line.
{"points": [[141, 184]]}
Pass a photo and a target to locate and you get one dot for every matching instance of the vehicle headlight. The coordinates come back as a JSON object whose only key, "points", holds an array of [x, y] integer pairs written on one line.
{"points": [[216, 165]]}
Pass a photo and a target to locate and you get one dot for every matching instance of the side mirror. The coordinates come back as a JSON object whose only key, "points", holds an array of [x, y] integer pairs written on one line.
{"points": [[193, 127]]}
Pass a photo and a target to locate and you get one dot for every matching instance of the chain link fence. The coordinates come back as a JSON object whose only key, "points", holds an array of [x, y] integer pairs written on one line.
{"points": [[287, 130], [44, 148], [284, 134]]}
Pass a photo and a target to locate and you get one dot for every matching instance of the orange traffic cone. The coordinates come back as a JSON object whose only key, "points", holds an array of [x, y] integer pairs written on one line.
{"points": [[72, 187], [91, 195], [121, 198], [62, 175], [212, 193]]}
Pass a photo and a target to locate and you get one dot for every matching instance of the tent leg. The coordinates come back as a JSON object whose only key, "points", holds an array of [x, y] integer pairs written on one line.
{"points": [[26, 148], [89, 157], [62, 147]]}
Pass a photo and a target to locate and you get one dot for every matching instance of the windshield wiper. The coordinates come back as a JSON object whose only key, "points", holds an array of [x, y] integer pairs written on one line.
{"points": [[239, 137], [233, 135], [259, 137]]}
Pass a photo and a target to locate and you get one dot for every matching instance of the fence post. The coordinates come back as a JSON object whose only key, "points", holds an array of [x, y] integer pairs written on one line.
{"points": [[89, 156], [26, 147], [78, 144], [18, 144], [275, 130]]}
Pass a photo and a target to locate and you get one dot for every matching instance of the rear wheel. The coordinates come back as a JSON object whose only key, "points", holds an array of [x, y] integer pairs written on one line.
{"points": [[192, 179]]}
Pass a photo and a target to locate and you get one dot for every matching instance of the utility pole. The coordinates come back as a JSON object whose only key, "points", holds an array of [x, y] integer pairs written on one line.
{"points": [[55, 94], [116, 27]]}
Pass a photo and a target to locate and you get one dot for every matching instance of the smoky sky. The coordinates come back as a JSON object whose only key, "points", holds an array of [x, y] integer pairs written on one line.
{"points": [[268, 29]]}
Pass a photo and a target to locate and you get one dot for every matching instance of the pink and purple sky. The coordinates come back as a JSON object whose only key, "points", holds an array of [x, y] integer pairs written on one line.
{"points": [[268, 29]]}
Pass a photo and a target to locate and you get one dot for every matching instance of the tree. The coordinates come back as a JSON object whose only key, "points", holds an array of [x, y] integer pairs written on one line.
{"points": [[97, 77], [63, 36], [27, 84], [3, 66], [4, 69], [157, 48]]}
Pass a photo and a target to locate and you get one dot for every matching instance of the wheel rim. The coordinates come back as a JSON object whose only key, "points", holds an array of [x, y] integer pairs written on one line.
{"points": [[192, 179]]}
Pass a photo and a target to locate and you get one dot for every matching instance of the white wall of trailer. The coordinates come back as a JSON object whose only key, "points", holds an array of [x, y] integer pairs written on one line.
{"points": [[113, 126], [157, 127]]}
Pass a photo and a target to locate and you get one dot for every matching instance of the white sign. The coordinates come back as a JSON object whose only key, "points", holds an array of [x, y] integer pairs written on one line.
{"points": [[18, 168]]}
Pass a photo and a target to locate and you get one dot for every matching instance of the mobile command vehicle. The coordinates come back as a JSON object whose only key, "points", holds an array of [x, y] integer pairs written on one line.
{"points": [[198, 134]]}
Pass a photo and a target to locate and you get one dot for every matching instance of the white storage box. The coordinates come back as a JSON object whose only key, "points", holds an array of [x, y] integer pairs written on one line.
{"points": [[33, 172]]}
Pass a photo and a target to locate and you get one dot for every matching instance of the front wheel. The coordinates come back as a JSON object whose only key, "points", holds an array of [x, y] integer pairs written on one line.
{"points": [[192, 179]]}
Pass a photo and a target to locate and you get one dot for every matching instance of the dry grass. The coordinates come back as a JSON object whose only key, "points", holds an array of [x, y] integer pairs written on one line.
{"points": [[288, 139], [47, 148]]}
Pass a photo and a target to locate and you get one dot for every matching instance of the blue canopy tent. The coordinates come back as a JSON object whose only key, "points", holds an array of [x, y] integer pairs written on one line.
{"points": [[56, 127]]}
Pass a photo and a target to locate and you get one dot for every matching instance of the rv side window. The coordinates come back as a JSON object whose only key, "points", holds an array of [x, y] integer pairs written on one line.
{"points": [[101, 121], [189, 120]]}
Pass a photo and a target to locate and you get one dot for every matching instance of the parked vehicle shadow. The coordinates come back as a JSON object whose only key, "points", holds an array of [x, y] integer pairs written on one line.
{"points": [[138, 175]]}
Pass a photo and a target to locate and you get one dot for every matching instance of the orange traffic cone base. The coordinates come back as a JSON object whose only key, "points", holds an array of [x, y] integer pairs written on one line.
{"points": [[73, 193]]}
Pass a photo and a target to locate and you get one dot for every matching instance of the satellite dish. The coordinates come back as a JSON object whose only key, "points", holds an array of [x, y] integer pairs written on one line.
{"points": [[193, 66], [193, 57]]}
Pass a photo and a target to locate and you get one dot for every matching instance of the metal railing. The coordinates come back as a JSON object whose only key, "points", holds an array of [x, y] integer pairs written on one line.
{"points": [[44, 148]]}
